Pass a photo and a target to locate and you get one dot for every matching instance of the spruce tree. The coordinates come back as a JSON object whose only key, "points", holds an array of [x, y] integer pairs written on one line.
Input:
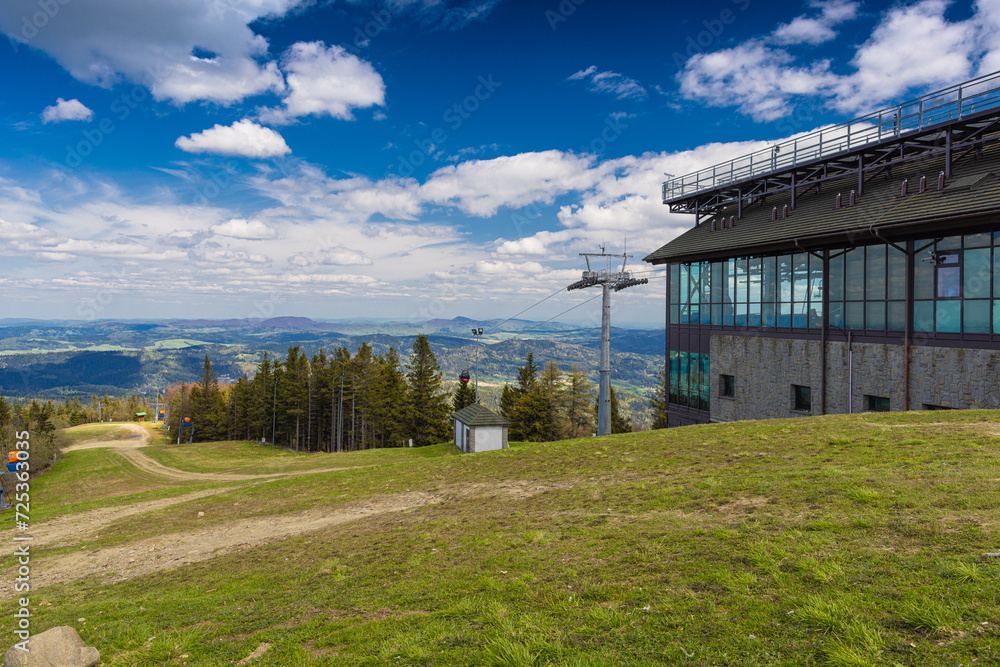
{"points": [[427, 405], [465, 395], [658, 403]]}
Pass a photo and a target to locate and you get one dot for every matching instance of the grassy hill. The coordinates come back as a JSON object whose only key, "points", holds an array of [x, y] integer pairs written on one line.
{"points": [[843, 540]]}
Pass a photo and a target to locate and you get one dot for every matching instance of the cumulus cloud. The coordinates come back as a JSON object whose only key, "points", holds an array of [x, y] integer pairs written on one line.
{"points": [[611, 83], [238, 228], [325, 81], [243, 139], [913, 47], [184, 50], [480, 187], [64, 110], [816, 29]]}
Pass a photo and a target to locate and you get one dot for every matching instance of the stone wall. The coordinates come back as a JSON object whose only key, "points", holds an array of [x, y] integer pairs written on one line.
{"points": [[766, 368]]}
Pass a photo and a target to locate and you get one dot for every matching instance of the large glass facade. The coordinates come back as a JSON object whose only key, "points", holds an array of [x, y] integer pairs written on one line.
{"points": [[956, 288], [689, 373]]}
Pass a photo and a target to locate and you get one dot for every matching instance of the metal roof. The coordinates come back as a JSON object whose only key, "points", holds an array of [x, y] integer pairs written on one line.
{"points": [[973, 191], [477, 415]]}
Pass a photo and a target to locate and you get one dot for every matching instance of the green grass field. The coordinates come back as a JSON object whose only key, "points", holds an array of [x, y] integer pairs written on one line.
{"points": [[844, 540]]}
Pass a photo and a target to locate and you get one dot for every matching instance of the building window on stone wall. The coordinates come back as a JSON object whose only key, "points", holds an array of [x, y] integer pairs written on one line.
{"points": [[801, 398], [876, 403], [931, 406], [727, 386]]}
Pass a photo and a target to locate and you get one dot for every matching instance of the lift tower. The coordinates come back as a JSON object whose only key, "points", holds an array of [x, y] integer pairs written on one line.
{"points": [[608, 280]]}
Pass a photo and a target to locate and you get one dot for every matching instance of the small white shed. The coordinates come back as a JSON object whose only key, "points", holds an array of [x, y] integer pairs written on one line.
{"points": [[478, 429]]}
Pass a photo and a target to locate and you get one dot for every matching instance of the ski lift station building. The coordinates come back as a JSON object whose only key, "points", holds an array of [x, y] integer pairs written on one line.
{"points": [[854, 268], [478, 429]]}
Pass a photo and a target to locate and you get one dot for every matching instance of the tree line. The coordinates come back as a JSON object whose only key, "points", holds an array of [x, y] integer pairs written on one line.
{"points": [[327, 402]]}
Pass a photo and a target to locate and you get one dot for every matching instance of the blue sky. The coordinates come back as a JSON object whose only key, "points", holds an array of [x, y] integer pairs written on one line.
{"points": [[410, 158]]}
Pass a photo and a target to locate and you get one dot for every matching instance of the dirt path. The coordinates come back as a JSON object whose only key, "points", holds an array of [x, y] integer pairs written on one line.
{"points": [[164, 552], [131, 448]]}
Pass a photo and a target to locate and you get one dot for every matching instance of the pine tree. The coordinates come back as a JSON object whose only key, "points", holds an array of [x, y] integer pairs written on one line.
{"points": [[526, 407], [427, 404], [550, 385], [465, 395], [658, 403]]}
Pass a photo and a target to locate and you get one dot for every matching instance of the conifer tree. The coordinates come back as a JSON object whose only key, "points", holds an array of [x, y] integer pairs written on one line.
{"points": [[658, 403], [579, 419], [427, 404], [465, 395]]}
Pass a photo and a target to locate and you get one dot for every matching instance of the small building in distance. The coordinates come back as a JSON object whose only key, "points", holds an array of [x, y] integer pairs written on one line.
{"points": [[856, 268], [478, 429]]}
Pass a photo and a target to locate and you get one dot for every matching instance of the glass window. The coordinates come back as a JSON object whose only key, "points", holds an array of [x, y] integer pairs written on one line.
{"points": [[815, 279], [854, 315], [767, 315], [996, 238], [976, 318], [923, 275], [948, 316], [675, 283], [785, 278], [876, 403], [978, 240], [754, 281], [683, 378], [703, 377], [730, 281], [800, 268], [727, 385], [784, 315], [996, 274], [741, 281], [949, 276], [996, 315], [685, 280], [695, 285], [896, 319], [837, 278], [837, 314], [875, 315], [769, 287], [896, 283], [854, 280], [976, 274], [716, 314], [799, 312], [950, 243], [675, 314], [923, 316], [802, 398], [815, 314], [875, 273], [717, 282]]}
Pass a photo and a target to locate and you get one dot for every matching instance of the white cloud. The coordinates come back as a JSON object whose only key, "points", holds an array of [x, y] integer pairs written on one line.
{"points": [[103, 42], [66, 110], [611, 83], [480, 187], [913, 47], [816, 30], [243, 138], [325, 82], [335, 256], [238, 228]]}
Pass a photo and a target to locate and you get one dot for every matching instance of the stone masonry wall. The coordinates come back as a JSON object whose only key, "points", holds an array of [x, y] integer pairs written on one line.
{"points": [[766, 368]]}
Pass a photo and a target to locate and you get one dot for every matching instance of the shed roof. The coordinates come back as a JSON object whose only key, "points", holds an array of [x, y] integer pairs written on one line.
{"points": [[973, 191], [477, 415]]}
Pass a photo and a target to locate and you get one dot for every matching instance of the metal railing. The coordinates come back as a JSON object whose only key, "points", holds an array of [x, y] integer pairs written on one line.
{"points": [[954, 103]]}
